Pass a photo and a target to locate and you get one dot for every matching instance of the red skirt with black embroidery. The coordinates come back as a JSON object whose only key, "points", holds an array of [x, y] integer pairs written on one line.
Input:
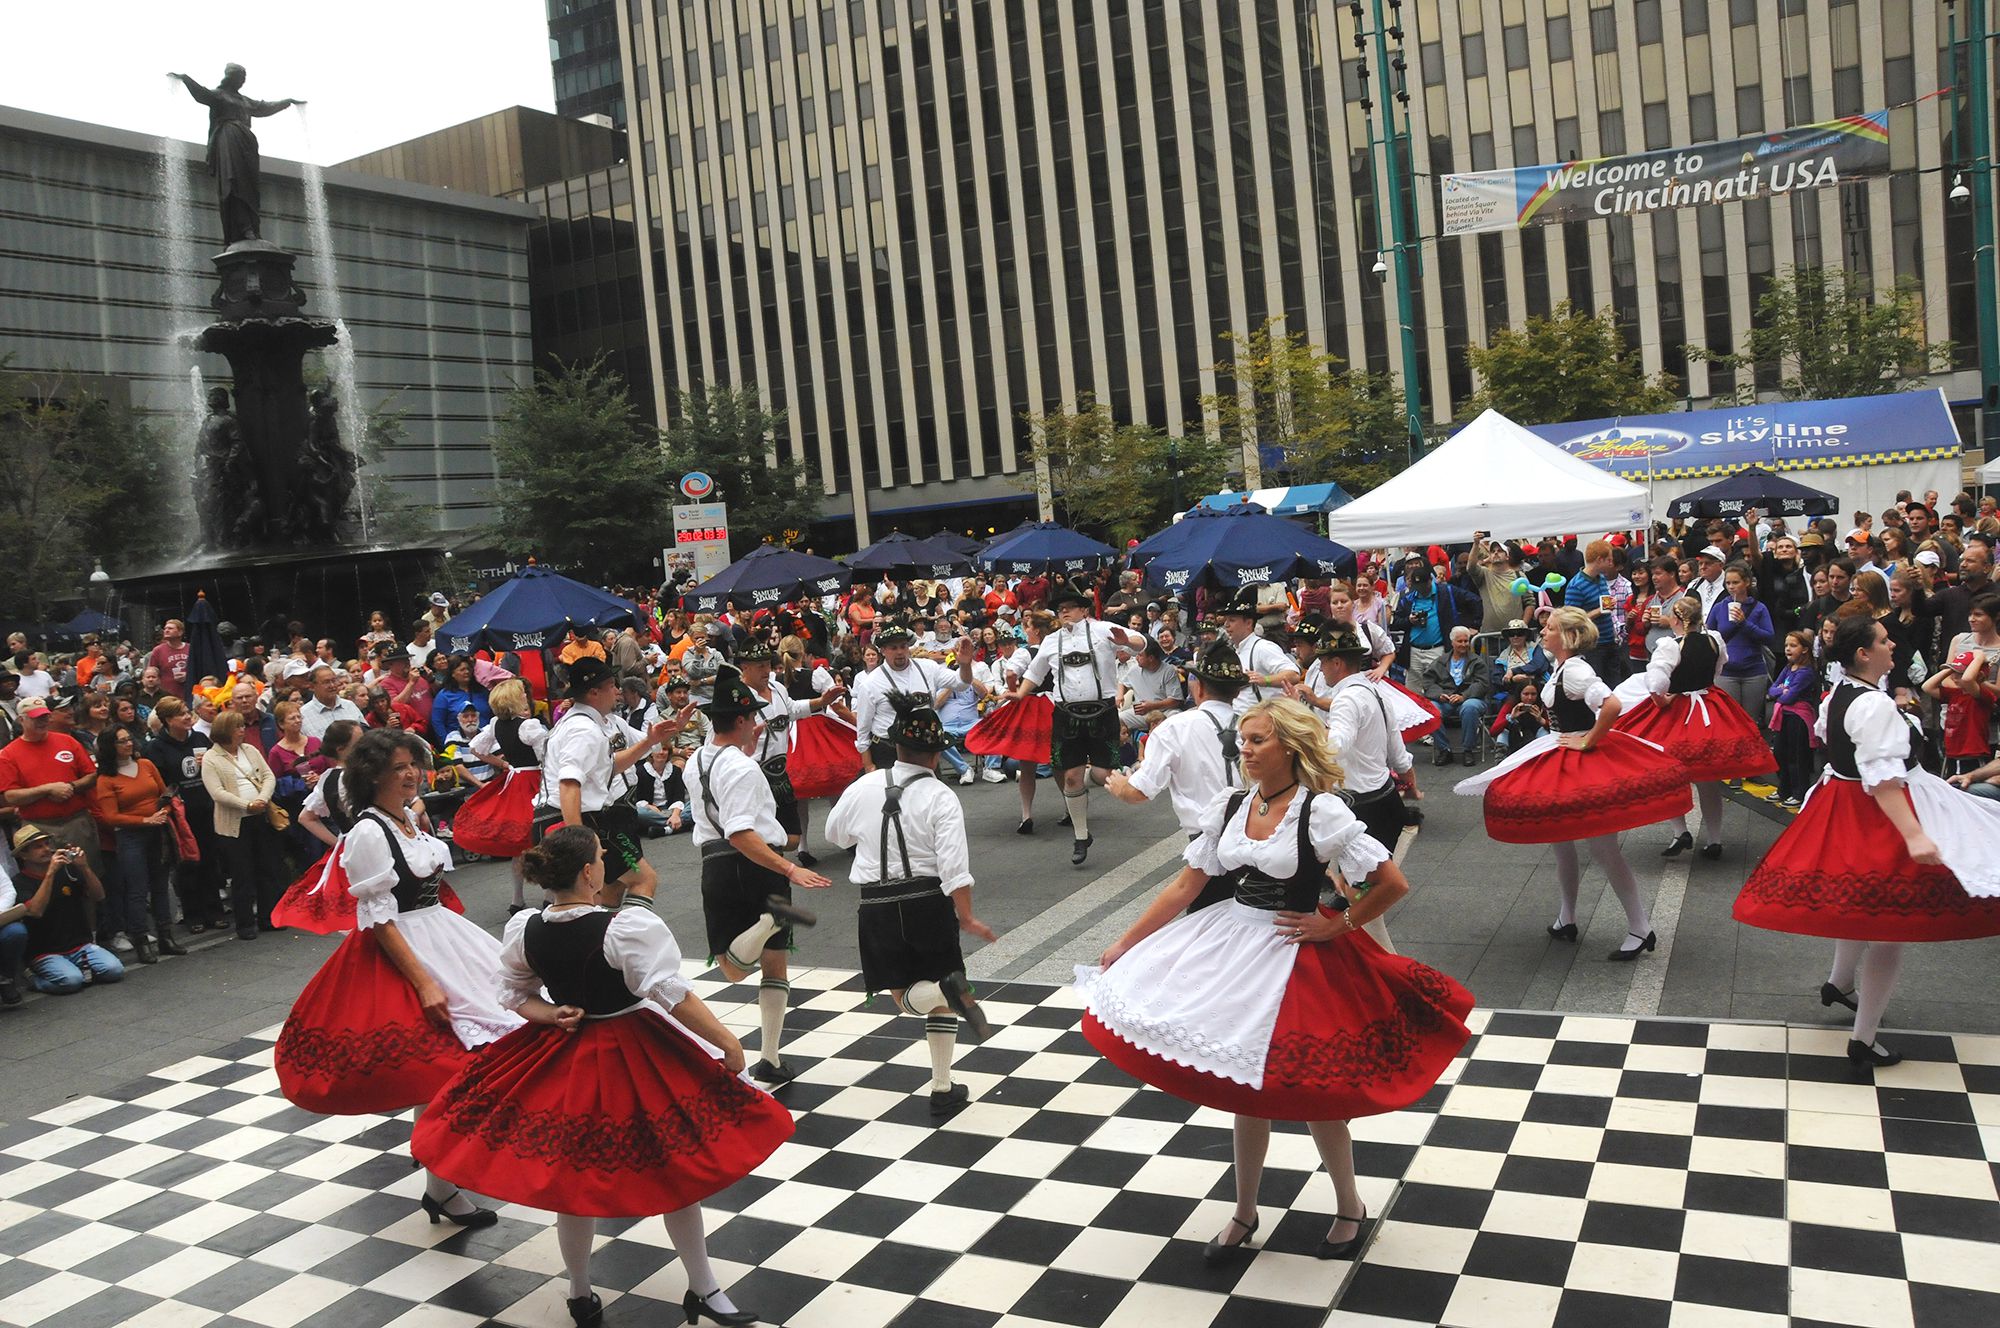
{"points": [[1840, 870], [625, 1117], [358, 1042], [1360, 1032], [319, 901], [1020, 730], [498, 820], [1712, 736], [1562, 795], [822, 761]]}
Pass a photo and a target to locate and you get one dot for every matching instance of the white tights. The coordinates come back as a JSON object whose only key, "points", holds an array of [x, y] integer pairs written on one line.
{"points": [[1605, 853], [1875, 966], [1709, 795], [684, 1228]]}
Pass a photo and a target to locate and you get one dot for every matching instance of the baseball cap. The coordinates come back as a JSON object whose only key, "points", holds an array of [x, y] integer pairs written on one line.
{"points": [[61, 699], [33, 705], [1712, 551], [1961, 661], [27, 835], [1812, 539], [1929, 558], [297, 668], [1857, 536]]}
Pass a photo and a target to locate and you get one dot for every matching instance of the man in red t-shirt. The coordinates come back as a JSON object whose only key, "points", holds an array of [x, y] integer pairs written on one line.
{"points": [[1031, 592], [46, 777], [170, 657]]}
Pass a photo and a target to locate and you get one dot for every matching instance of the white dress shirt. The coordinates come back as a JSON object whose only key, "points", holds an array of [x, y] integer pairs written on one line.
{"points": [[872, 712], [933, 826], [777, 714], [1184, 756], [742, 796], [315, 718], [581, 747], [1260, 654], [1096, 679], [1368, 747], [1708, 592]]}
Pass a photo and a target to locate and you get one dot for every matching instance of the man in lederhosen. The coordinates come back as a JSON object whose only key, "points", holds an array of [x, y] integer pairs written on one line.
{"points": [[900, 675], [1376, 766], [1082, 656], [914, 868], [1267, 666], [586, 779], [746, 880], [1192, 754], [777, 710]]}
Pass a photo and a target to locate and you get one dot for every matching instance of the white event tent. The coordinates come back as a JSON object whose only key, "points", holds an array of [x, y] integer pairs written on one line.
{"points": [[1990, 473], [1496, 476]]}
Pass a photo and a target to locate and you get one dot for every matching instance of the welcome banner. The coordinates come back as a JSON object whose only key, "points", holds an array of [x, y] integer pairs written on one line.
{"points": [[1815, 156]]}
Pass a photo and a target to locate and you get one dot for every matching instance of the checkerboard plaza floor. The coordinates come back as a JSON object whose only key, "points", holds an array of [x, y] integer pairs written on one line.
{"points": [[1570, 1170]]}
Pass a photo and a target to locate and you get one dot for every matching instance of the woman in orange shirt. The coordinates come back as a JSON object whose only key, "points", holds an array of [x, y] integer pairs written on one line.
{"points": [[130, 805]]}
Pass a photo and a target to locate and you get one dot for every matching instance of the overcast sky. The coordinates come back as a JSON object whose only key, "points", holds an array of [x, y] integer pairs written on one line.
{"points": [[376, 71]]}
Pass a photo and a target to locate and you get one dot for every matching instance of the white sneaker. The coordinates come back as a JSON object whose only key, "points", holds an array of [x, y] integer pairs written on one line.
{"points": [[967, 777], [992, 776], [122, 943]]}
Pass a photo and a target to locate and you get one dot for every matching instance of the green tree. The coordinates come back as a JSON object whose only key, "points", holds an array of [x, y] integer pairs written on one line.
{"points": [[580, 478], [1116, 480], [1332, 423], [87, 480], [1568, 366], [726, 433], [1832, 334]]}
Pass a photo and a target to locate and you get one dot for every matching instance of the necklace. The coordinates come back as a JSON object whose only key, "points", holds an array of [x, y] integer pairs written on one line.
{"points": [[1264, 799]]}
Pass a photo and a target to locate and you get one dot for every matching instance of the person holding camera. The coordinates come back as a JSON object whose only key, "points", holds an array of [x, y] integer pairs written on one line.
{"points": [[58, 892]]}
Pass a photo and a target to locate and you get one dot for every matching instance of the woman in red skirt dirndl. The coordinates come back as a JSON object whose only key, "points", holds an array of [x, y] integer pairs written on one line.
{"points": [[601, 1105], [399, 1007], [1883, 852], [1021, 731], [1267, 1005], [1676, 704], [498, 820], [1414, 716], [1582, 782]]}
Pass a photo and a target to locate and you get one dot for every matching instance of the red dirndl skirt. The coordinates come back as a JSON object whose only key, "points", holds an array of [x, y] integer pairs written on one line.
{"points": [[319, 901], [1565, 794], [497, 821], [1360, 1032], [1714, 738], [1019, 730], [1840, 870], [1418, 732], [822, 761], [625, 1117], [357, 1041]]}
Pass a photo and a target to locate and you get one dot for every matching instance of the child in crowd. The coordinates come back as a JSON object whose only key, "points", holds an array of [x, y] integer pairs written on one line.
{"points": [[1968, 712], [1794, 698]]}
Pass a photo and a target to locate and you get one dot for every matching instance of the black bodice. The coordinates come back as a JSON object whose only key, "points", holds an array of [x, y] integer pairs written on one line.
{"points": [[1696, 670], [1840, 751], [1571, 714], [507, 734], [569, 959], [1297, 893], [412, 891]]}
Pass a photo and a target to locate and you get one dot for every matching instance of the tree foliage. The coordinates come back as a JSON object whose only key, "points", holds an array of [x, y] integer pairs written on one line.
{"points": [[1116, 480], [1832, 334], [1568, 366], [581, 481], [1330, 423], [727, 433], [86, 480]]}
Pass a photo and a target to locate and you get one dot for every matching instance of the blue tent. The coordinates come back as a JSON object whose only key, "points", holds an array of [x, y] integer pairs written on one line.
{"points": [[528, 611], [957, 543], [1223, 548], [1046, 548], [90, 620], [900, 555], [765, 576], [1298, 500]]}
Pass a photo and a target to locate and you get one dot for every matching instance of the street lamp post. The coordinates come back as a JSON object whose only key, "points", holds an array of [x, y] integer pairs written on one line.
{"points": [[1980, 169], [1394, 142]]}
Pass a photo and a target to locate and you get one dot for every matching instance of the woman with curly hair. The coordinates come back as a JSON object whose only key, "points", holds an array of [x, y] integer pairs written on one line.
{"points": [[401, 1005], [602, 1105], [1268, 1004]]}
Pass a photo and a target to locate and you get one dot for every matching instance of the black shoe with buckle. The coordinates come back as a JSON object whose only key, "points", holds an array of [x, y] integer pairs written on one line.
{"points": [[774, 1073], [958, 995], [1219, 1252], [949, 1101], [1346, 1249], [437, 1212], [696, 1307], [1680, 844], [1081, 850], [1867, 1056], [784, 912], [1832, 995], [585, 1311]]}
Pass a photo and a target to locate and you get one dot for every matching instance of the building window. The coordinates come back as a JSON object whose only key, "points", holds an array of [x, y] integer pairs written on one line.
{"points": [[1701, 117], [1743, 13], [1472, 48], [1569, 139], [1559, 38], [1750, 109], [1431, 57], [1603, 31], [1658, 133], [1610, 132], [1514, 43], [1646, 18], [1694, 17]]}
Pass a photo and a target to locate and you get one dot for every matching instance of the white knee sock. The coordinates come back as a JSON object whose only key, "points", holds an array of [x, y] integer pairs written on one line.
{"points": [[1846, 958], [941, 1036], [1604, 851], [925, 998], [1569, 875], [573, 1237], [684, 1229], [772, 995], [1878, 971], [748, 947], [1079, 812]]}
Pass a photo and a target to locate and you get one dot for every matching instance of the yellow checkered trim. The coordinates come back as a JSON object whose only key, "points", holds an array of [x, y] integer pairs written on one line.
{"points": [[1949, 453]]}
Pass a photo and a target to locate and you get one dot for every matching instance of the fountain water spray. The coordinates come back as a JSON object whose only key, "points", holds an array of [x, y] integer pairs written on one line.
{"points": [[339, 356], [185, 306]]}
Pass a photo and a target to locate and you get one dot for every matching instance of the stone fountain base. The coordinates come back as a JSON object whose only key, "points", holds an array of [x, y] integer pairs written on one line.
{"points": [[331, 591]]}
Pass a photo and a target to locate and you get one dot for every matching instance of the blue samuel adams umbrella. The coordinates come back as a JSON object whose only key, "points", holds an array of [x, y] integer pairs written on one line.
{"points": [[1223, 548], [530, 609], [1754, 486], [957, 543], [765, 576], [1044, 548], [90, 620], [897, 554]]}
